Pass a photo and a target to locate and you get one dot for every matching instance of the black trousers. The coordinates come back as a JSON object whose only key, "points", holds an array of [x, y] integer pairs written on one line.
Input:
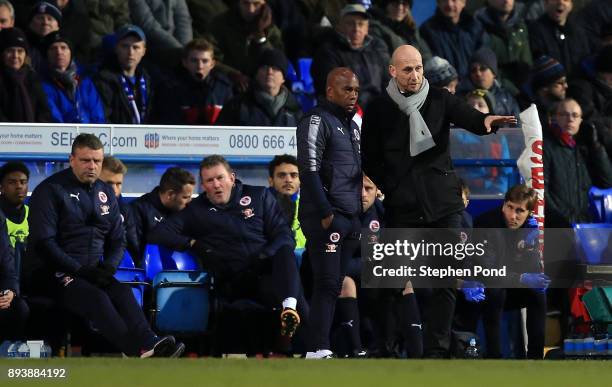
{"points": [[437, 304], [113, 311], [326, 250], [267, 281], [491, 310], [13, 320]]}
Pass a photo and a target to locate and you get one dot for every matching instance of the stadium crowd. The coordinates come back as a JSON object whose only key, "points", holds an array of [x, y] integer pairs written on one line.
{"points": [[475, 64]]}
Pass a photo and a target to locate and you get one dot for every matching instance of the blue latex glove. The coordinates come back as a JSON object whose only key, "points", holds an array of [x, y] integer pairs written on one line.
{"points": [[537, 281], [473, 291]]}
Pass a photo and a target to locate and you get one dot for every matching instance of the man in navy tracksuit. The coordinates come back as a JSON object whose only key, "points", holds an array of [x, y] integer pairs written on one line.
{"points": [[14, 311], [330, 171], [76, 232], [171, 195], [243, 238]]}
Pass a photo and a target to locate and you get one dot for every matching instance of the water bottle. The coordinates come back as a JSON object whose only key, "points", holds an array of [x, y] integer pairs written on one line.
{"points": [[23, 351], [11, 352], [45, 351], [471, 352]]}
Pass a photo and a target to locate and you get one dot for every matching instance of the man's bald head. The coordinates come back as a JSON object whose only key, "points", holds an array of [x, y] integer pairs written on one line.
{"points": [[342, 88], [406, 52], [407, 68]]}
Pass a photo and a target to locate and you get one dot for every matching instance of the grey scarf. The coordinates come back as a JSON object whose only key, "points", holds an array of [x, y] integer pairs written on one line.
{"points": [[420, 136], [271, 104]]}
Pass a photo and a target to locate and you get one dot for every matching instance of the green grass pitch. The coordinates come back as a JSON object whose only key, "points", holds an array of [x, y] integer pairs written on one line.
{"points": [[92, 372]]}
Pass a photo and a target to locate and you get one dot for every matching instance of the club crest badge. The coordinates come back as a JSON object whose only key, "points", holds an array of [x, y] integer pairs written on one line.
{"points": [[245, 200], [334, 237], [104, 209], [102, 196], [374, 226]]}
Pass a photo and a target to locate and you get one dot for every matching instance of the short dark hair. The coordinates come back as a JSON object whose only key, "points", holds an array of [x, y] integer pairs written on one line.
{"points": [[281, 159], [520, 193], [13, 166], [113, 164], [86, 140], [174, 179], [199, 44], [213, 161]]}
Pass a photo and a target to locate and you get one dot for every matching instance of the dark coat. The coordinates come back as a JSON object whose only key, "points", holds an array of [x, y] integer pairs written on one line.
{"points": [[593, 95], [518, 249], [509, 41], [455, 43], [245, 110], [329, 163], [184, 101], [73, 224], [147, 212], [369, 63], [38, 98], [569, 173], [545, 39], [249, 227], [425, 187], [116, 105]]}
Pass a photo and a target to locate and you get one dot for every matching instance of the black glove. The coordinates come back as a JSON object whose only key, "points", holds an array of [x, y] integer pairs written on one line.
{"points": [[95, 275], [208, 255], [107, 267]]}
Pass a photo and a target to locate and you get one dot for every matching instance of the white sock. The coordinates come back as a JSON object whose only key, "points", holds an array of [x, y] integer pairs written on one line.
{"points": [[290, 302]]}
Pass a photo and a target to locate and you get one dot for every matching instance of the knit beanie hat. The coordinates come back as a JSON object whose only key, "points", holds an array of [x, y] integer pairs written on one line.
{"points": [[545, 71], [486, 57], [55, 37], [439, 72], [47, 7], [12, 37], [273, 58]]}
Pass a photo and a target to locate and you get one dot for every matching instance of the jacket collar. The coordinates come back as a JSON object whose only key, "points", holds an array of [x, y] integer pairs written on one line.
{"points": [[337, 111]]}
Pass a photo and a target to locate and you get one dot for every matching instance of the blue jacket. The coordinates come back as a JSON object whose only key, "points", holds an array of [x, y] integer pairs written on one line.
{"points": [[74, 224], [249, 227], [87, 107], [329, 160], [455, 43], [8, 275]]}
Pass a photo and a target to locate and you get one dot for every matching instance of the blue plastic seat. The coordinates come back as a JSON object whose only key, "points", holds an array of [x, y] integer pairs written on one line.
{"points": [[600, 202], [592, 241], [185, 261], [127, 261]]}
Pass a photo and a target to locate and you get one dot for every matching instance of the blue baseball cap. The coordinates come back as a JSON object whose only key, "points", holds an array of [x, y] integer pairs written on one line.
{"points": [[130, 29]]}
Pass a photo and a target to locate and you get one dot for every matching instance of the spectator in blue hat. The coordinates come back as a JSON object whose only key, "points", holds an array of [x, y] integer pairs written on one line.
{"points": [[123, 83], [71, 96], [22, 98], [268, 102]]}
